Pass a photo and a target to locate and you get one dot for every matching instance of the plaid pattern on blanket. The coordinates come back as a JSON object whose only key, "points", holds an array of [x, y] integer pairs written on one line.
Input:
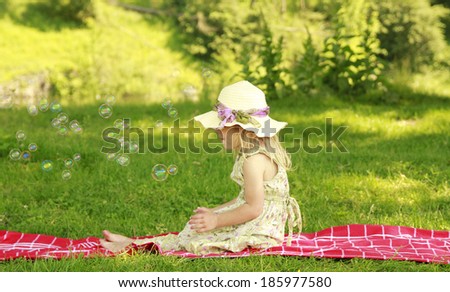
{"points": [[355, 240]]}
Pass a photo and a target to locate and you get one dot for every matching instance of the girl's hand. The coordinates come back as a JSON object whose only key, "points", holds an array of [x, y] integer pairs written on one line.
{"points": [[204, 220]]}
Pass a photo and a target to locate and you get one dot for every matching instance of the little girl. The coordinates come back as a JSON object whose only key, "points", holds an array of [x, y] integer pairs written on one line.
{"points": [[257, 216]]}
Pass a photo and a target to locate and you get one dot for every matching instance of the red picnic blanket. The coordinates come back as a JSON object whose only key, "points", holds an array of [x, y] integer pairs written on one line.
{"points": [[355, 240]]}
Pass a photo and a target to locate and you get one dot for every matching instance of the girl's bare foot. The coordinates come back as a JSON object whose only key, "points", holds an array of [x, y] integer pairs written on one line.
{"points": [[114, 242], [114, 247], [113, 237]]}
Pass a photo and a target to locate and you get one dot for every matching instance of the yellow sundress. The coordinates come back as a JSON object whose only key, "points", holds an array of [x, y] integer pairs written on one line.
{"points": [[266, 230]]}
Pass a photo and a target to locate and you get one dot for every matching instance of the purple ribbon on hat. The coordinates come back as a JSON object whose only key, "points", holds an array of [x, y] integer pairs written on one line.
{"points": [[228, 115]]}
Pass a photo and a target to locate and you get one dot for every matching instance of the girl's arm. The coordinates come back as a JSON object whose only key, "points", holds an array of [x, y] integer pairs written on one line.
{"points": [[239, 215], [224, 205], [253, 170]]}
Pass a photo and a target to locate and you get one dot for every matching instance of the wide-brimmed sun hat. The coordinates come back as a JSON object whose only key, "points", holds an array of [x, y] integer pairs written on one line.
{"points": [[243, 104]]}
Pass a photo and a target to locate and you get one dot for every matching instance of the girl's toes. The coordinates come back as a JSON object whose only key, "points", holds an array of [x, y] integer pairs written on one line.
{"points": [[107, 235]]}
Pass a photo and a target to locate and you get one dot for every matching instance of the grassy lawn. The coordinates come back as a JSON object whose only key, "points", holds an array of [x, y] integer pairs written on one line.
{"points": [[395, 172]]}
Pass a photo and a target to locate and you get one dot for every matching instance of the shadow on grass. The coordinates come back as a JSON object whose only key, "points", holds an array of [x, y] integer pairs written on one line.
{"points": [[39, 16], [3, 7]]}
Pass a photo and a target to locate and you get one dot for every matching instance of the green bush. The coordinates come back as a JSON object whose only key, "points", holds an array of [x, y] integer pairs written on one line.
{"points": [[351, 57], [271, 54], [211, 27], [72, 10], [412, 31], [261, 62], [306, 70]]}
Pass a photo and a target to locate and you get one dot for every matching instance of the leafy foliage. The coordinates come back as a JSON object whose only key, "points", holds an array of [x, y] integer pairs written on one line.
{"points": [[411, 31], [306, 70], [350, 59], [73, 10], [210, 27], [268, 71]]}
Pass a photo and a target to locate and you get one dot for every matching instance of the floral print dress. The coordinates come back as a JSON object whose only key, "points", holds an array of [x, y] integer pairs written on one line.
{"points": [[266, 230]]}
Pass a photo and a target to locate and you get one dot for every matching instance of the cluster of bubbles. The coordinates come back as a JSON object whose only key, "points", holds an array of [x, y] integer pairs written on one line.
{"points": [[47, 166], [122, 159], [160, 172], [20, 153], [171, 111], [105, 110], [63, 126], [61, 123]]}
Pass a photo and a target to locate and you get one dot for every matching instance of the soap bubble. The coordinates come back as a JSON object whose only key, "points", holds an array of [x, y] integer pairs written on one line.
{"points": [[66, 174], [63, 118], [14, 154], [159, 123], [77, 157], [20, 136], [206, 72], [78, 130], [56, 123], [47, 165], [105, 111], [73, 124], [190, 91], [32, 110], [63, 130], [25, 155], [75, 127], [114, 135], [167, 104], [68, 163], [134, 147], [172, 169], [111, 156], [55, 107], [123, 160], [118, 124], [43, 105], [172, 112], [159, 172], [110, 99], [32, 147]]}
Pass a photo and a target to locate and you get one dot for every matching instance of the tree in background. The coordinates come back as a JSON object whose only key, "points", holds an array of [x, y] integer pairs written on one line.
{"points": [[351, 57], [305, 69], [412, 31], [268, 69]]}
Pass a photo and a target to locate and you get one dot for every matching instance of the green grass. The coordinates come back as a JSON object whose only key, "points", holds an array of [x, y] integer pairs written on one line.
{"points": [[395, 172]]}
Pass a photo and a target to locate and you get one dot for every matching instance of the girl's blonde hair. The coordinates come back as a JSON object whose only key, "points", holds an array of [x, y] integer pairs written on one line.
{"points": [[244, 141]]}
